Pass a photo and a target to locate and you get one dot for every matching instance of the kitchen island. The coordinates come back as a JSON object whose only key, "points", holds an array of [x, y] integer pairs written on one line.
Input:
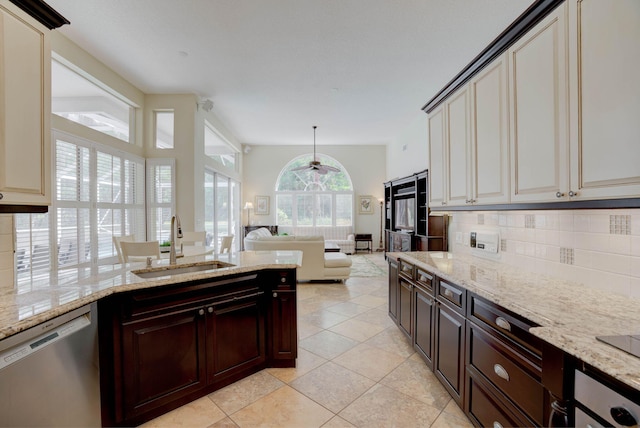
{"points": [[182, 333], [561, 318]]}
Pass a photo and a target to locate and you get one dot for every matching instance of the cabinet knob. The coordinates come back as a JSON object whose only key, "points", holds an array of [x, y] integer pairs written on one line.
{"points": [[470, 201], [201, 312], [501, 371], [503, 323], [559, 194], [448, 292], [444, 203], [210, 309], [572, 193], [1, 196], [623, 417], [497, 424], [275, 294], [283, 279]]}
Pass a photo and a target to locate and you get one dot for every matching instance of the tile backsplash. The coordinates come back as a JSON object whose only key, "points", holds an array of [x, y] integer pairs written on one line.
{"points": [[6, 251], [599, 248]]}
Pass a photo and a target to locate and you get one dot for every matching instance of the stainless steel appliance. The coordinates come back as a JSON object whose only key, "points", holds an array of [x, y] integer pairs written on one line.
{"points": [[49, 374], [597, 405]]}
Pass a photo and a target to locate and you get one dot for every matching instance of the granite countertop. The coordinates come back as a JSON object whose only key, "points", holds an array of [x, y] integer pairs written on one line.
{"points": [[570, 315], [40, 300]]}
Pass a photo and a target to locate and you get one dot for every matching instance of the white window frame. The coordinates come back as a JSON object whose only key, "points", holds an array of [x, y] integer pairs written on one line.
{"points": [[152, 204]]}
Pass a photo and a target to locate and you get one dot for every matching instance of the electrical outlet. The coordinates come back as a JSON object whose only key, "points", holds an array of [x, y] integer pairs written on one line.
{"points": [[458, 237]]}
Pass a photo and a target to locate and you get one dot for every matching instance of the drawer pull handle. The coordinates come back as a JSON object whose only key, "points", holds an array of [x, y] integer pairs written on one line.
{"points": [[503, 323], [497, 424], [448, 293], [500, 371]]}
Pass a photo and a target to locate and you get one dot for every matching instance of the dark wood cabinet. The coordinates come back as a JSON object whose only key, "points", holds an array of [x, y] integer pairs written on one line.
{"points": [[393, 288], [405, 298], [449, 357], [408, 225], [165, 346], [163, 359], [423, 316]]}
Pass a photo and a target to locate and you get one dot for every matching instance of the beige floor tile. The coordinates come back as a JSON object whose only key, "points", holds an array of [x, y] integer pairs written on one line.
{"points": [[244, 392], [338, 422], [453, 409], [332, 386], [369, 361], [306, 362], [392, 340], [306, 329], [199, 413], [416, 380], [224, 423], [385, 407], [447, 420], [323, 318], [327, 344], [348, 309], [357, 330], [376, 316], [284, 407], [370, 301]]}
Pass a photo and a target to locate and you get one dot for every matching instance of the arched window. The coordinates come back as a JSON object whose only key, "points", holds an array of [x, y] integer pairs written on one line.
{"points": [[305, 198]]}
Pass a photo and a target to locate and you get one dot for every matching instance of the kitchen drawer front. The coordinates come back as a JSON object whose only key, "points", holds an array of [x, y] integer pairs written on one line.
{"points": [[425, 280], [508, 370], [514, 327], [485, 409], [405, 270], [453, 294]]}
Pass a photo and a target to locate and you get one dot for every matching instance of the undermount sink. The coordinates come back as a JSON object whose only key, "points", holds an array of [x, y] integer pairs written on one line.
{"points": [[180, 269]]}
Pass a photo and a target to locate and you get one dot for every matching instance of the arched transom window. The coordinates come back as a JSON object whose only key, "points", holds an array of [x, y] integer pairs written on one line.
{"points": [[305, 198]]}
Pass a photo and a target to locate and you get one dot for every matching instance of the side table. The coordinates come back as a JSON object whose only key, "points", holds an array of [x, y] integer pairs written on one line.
{"points": [[364, 237]]}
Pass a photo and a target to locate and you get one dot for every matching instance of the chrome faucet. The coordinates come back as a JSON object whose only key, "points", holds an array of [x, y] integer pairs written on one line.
{"points": [[175, 221]]}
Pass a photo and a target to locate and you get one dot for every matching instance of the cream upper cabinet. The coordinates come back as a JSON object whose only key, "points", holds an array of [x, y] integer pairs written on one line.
{"points": [[437, 181], [25, 108], [489, 172], [457, 120], [538, 109], [605, 98]]}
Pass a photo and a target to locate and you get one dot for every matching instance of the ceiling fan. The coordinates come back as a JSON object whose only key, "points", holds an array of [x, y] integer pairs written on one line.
{"points": [[315, 165]]}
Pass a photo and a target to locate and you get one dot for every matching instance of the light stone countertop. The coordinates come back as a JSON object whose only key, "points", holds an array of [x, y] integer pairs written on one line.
{"points": [[41, 300], [570, 315]]}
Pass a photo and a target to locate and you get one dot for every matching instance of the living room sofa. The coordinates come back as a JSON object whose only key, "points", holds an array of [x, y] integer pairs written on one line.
{"points": [[316, 264], [342, 236]]}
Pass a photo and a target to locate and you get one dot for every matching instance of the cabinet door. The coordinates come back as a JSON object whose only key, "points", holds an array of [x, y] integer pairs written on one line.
{"points": [[423, 324], [437, 178], [490, 135], [393, 289], [163, 359], [538, 88], [284, 336], [405, 289], [605, 98], [235, 336], [449, 360], [458, 148], [25, 109]]}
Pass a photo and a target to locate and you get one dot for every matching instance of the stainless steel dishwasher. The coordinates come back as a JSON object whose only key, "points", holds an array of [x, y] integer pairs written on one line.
{"points": [[49, 374]]}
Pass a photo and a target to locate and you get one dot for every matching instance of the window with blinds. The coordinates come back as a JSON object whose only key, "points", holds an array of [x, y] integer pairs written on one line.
{"points": [[99, 193], [160, 198]]}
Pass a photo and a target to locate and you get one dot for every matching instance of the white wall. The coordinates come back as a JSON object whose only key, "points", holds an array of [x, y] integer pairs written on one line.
{"points": [[598, 248], [365, 164], [409, 153], [6, 252]]}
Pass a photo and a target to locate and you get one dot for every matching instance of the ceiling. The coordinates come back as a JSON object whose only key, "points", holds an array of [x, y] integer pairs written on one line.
{"points": [[358, 69]]}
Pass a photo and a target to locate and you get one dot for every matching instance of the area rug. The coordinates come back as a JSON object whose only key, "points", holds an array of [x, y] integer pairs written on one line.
{"points": [[361, 266]]}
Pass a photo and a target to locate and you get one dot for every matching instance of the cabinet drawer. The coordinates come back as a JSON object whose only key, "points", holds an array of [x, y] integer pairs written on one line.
{"points": [[485, 409], [405, 269], [451, 293], [424, 279], [506, 323], [511, 373]]}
